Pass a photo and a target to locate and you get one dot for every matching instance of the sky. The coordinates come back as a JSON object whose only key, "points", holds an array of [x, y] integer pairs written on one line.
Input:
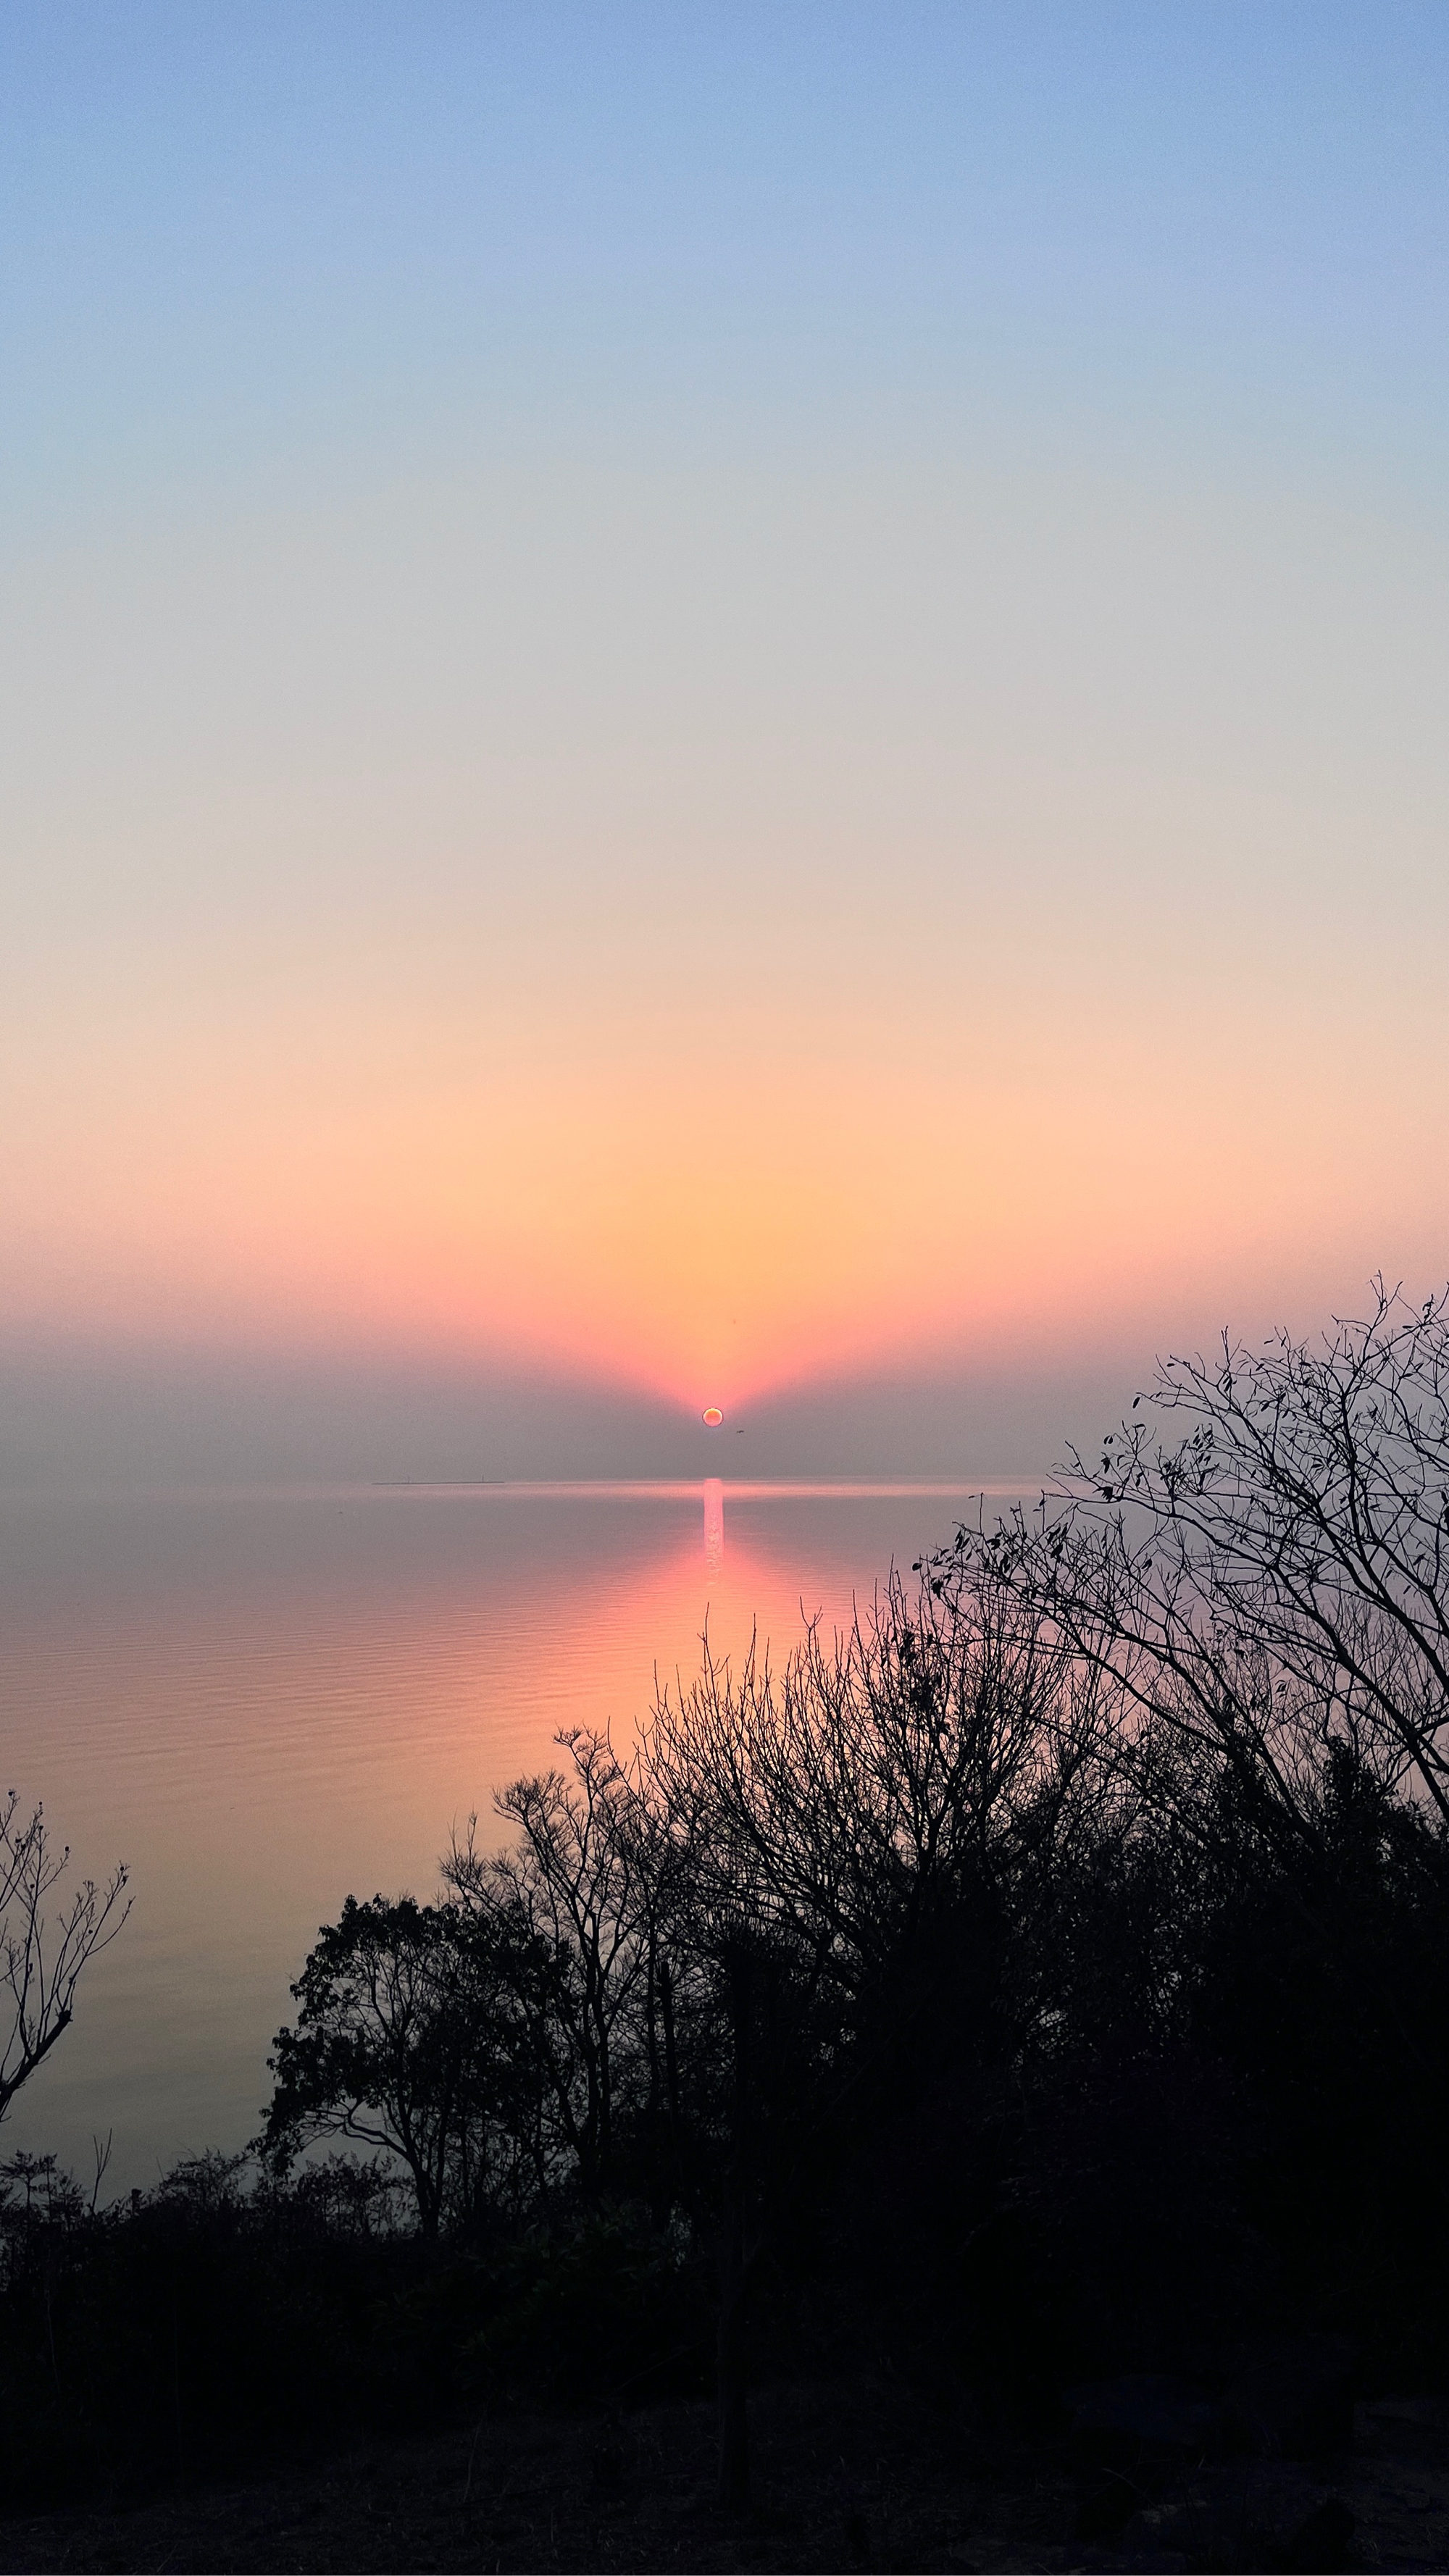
{"points": [[708, 705]]}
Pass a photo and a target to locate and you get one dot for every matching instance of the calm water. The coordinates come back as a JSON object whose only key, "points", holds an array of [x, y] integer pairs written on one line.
{"points": [[262, 1702]]}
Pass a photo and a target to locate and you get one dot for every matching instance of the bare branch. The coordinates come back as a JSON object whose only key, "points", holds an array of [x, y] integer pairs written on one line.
{"points": [[44, 1953]]}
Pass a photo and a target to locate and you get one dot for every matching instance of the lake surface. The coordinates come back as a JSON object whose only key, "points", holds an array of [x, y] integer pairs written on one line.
{"points": [[265, 1701]]}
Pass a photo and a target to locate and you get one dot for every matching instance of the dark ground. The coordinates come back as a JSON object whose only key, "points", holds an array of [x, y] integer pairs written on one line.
{"points": [[858, 2475]]}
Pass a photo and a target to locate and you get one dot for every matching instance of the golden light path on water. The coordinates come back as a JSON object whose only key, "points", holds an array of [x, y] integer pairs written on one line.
{"points": [[263, 1702]]}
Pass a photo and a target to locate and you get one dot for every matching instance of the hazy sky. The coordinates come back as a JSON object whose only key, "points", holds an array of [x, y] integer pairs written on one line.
{"points": [[709, 704]]}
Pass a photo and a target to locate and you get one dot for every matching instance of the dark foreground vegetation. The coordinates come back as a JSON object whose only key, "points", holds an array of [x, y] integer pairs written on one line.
{"points": [[860, 2472], [1030, 2011]]}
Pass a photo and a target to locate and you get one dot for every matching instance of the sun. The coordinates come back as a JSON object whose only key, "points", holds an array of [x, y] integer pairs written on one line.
{"points": [[712, 1417]]}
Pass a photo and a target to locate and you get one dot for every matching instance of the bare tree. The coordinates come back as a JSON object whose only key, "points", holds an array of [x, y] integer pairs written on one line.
{"points": [[44, 1951], [828, 1818], [575, 1878], [1273, 1581], [835, 1797]]}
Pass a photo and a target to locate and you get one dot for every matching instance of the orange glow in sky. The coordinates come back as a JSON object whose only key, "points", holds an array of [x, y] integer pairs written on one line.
{"points": [[935, 1194]]}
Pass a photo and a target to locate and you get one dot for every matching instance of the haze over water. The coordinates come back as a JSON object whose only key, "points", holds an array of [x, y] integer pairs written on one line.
{"points": [[267, 1701]]}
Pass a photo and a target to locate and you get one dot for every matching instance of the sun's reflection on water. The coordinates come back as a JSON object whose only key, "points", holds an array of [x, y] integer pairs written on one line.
{"points": [[263, 1702], [713, 1528]]}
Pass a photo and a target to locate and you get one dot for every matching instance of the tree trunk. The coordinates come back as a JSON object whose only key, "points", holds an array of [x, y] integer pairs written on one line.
{"points": [[734, 2429], [734, 2424]]}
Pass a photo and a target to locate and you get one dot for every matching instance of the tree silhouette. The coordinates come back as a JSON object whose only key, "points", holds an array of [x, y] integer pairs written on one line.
{"points": [[44, 1954]]}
